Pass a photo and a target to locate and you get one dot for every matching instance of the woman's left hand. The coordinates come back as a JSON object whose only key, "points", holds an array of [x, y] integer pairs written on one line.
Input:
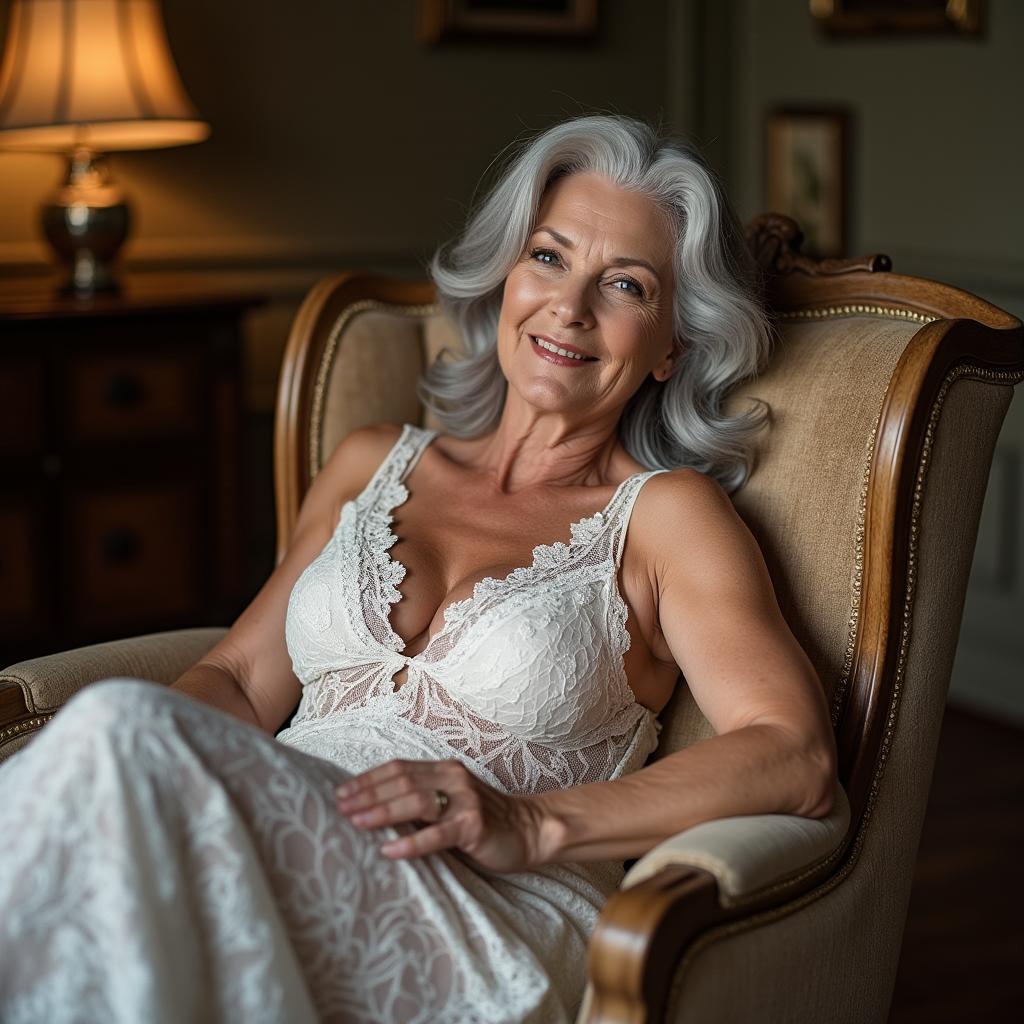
{"points": [[498, 831]]}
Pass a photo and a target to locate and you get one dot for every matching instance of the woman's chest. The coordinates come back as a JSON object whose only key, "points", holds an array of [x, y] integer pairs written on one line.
{"points": [[451, 538], [531, 569]]}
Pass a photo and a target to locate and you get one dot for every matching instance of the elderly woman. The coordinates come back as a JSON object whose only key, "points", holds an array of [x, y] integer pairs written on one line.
{"points": [[479, 628]]}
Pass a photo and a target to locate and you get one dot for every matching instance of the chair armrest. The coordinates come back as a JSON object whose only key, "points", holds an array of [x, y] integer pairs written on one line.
{"points": [[32, 691], [707, 875], [747, 855]]}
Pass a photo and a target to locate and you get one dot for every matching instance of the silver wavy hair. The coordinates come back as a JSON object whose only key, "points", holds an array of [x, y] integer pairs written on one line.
{"points": [[719, 321]]}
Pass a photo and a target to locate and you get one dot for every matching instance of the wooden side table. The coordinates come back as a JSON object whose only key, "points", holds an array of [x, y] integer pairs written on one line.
{"points": [[120, 462]]}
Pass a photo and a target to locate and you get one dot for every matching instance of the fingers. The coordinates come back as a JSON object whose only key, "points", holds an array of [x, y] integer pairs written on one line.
{"points": [[370, 795], [382, 773], [400, 791], [434, 839], [421, 806], [490, 827], [396, 777]]}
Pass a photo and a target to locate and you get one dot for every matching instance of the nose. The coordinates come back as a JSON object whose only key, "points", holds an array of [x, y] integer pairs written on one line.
{"points": [[571, 303]]}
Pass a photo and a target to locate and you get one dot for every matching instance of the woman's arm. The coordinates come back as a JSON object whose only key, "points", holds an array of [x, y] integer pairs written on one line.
{"points": [[218, 687], [774, 751], [249, 673]]}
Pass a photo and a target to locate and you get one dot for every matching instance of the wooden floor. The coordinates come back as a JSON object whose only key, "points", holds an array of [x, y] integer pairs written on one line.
{"points": [[963, 949]]}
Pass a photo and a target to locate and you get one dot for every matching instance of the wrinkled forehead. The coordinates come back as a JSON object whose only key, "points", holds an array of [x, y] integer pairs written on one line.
{"points": [[584, 204]]}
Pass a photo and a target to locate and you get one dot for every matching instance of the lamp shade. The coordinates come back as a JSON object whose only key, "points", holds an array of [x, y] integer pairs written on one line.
{"points": [[92, 73]]}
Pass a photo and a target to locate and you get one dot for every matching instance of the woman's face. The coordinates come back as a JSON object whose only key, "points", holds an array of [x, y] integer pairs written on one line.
{"points": [[595, 279]]}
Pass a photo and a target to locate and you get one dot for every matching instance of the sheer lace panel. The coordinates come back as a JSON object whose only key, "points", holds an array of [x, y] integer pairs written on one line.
{"points": [[518, 766]]}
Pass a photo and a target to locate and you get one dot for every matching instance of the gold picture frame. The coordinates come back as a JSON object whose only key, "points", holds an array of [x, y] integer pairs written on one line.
{"points": [[451, 19], [806, 174], [884, 17]]}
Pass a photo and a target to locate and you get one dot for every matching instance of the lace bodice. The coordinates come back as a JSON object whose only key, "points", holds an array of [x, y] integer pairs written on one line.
{"points": [[525, 680]]}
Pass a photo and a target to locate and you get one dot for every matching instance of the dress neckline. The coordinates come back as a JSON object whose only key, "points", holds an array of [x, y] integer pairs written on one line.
{"points": [[394, 493]]}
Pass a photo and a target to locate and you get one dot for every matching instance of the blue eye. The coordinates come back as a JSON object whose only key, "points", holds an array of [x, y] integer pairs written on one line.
{"points": [[630, 284], [545, 256]]}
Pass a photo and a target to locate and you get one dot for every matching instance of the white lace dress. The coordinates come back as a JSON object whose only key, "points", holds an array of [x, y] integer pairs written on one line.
{"points": [[162, 861]]}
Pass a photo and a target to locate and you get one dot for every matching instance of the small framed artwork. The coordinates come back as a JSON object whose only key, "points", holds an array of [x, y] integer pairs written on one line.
{"points": [[448, 19], [879, 17], [806, 175]]}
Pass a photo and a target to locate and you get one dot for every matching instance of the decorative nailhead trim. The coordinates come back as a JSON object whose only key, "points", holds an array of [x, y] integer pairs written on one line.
{"points": [[857, 580], [857, 309], [28, 725], [1009, 377], [327, 361]]}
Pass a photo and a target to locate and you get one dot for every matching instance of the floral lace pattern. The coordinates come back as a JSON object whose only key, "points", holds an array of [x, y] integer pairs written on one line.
{"points": [[163, 862]]}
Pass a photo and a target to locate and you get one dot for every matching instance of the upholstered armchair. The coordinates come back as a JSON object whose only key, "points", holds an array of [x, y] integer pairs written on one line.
{"points": [[886, 396]]}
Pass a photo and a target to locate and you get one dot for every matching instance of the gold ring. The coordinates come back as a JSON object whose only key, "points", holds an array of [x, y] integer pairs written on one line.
{"points": [[441, 797]]}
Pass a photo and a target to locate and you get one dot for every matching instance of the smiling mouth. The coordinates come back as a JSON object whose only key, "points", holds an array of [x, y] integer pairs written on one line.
{"points": [[551, 349]]}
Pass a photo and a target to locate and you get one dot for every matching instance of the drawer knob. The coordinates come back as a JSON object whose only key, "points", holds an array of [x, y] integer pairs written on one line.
{"points": [[120, 546], [124, 390]]}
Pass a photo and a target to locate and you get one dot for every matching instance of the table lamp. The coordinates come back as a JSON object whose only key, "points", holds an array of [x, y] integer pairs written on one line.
{"points": [[84, 77]]}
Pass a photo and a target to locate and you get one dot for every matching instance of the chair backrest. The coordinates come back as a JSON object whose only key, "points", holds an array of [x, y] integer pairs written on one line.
{"points": [[874, 378]]}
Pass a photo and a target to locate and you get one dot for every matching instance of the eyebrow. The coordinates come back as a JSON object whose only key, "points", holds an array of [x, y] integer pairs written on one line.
{"points": [[619, 261]]}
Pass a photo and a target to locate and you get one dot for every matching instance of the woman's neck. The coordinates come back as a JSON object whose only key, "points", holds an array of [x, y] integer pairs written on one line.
{"points": [[531, 449]]}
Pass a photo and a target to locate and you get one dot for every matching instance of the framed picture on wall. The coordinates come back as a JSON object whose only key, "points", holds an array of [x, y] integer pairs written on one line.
{"points": [[806, 174], [877, 17], [446, 19]]}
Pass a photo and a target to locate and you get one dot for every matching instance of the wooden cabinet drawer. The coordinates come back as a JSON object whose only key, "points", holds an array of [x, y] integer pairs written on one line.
{"points": [[139, 395], [137, 554], [19, 588], [120, 426], [21, 408]]}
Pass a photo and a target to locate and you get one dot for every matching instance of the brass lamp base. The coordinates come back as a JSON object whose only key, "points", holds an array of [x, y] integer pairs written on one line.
{"points": [[87, 222]]}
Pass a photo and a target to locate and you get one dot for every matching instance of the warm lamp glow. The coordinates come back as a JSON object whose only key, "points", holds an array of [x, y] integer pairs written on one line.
{"points": [[84, 77], [95, 74]]}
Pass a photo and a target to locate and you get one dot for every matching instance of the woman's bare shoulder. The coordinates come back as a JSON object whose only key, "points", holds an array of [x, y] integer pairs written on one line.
{"points": [[685, 493], [346, 472], [684, 518], [362, 450], [357, 457]]}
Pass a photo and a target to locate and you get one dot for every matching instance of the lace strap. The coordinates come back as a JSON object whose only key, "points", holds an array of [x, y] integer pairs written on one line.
{"points": [[623, 510], [398, 462], [419, 438]]}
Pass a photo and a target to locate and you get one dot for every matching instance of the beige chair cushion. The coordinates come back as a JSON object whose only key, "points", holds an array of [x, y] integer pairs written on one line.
{"points": [[374, 367], [373, 375], [749, 853], [47, 683], [820, 431]]}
